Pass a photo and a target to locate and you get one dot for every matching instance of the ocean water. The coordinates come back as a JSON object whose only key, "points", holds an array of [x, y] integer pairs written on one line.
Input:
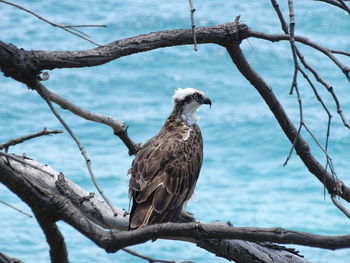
{"points": [[242, 180]]}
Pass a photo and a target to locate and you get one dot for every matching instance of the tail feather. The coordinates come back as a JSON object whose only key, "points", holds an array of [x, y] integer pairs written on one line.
{"points": [[143, 214]]}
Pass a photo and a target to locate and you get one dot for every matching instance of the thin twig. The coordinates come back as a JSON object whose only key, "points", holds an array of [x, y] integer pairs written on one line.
{"points": [[345, 7], [299, 128], [71, 26], [192, 9], [325, 150], [340, 52], [337, 3], [298, 53], [283, 22], [327, 86], [329, 159], [68, 28], [38, 87], [314, 72], [318, 78], [340, 206], [153, 260], [278, 37], [292, 45], [295, 76], [15, 208], [15, 141]]}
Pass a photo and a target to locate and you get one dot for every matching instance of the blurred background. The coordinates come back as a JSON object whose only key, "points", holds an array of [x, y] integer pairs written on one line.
{"points": [[242, 180]]}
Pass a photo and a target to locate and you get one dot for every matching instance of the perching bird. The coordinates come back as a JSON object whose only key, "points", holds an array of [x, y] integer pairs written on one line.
{"points": [[166, 168]]}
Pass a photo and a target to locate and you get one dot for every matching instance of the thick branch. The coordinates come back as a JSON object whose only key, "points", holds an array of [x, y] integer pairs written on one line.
{"points": [[201, 231], [24, 65], [19, 64], [55, 239], [41, 191]]}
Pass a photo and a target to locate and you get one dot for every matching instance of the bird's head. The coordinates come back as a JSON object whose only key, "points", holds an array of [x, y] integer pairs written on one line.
{"points": [[187, 101]]}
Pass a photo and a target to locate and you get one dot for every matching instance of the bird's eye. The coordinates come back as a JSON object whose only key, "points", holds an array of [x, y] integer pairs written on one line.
{"points": [[195, 96]]}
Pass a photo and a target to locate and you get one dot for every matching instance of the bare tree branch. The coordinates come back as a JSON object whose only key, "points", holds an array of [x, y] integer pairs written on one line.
{"points": [[69, 28], [193, 26], [115, 240], [119, 128], [302, 148], [24, 162], [226, 34], [341, 52], [54, 237], [326, 85], [295, 75], [41, 192], [337, 3], [305, 41], [220, 34], [340, 206], [38, 87], [280, 16], [13, 142], [292, 45], [7, 259], [37, 61], [316, 75], [153, 260], [17, 209], [201, 231]]}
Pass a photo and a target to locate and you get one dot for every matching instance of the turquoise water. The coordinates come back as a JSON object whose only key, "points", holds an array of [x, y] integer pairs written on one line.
{"points": [[242, 178]]}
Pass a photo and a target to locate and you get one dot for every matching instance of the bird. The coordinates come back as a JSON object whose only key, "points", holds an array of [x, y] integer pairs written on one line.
{"points": [[165, 170]]}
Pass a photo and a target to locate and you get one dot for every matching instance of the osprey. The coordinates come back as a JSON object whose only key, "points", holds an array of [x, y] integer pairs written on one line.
{"points": [[166, 168]]}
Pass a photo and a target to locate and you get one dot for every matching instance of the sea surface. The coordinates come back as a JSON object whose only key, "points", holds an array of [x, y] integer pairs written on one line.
{"points": [[242, 179]]}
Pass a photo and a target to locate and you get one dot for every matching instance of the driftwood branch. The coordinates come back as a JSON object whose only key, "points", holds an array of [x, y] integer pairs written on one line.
{"points": [[63, 200]]}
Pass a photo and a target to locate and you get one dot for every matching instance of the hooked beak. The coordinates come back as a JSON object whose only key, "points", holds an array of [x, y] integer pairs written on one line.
{"points": [[207, 101]]}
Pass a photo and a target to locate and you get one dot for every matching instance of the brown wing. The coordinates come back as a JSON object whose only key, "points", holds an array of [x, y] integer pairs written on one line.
{"points": [[164, 174]]}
